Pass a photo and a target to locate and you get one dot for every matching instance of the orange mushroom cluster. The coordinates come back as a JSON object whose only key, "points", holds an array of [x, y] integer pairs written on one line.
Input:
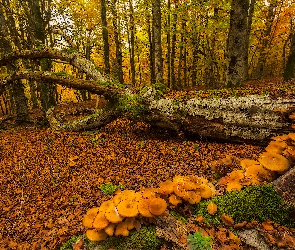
{"points": [[186, 188], [278, 158], [119, 215]]}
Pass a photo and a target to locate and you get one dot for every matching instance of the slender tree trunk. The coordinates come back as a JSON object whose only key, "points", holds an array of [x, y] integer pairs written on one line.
{"points": [[173, 49], [157, 40], [265, 40], [169, 44], [290, 65], [105, 37], [237, 44], [249, 25], [132, 43], [151, 50], [181, 54], [119, 69], [38, 26]]}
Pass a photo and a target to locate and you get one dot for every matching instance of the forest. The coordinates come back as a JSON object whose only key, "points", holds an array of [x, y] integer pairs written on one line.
{"points": [[147, 124]]}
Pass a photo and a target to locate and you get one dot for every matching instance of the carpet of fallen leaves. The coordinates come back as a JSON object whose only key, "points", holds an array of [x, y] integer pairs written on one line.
{"points": [[49, 179]]}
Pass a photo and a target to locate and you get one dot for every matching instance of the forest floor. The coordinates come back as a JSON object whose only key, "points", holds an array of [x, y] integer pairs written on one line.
{"points": [[49, 179]]}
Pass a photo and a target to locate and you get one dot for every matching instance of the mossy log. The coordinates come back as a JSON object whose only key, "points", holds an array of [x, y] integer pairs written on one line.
{"points": [[242, 119]]}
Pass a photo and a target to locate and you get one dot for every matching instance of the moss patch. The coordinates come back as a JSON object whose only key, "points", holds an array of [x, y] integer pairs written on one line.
{"points": [[257, 202], [145, 239]]}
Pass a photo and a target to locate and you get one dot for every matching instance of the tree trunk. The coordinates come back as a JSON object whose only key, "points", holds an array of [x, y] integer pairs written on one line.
{"points": [[132, 43], [118, 60], [290, 65], [151, 50], [157, 40], [265, 40], [17, 90], [169, 44], [237, 44], [173, 49], [38, 35], [240, 119], [105, 37]]}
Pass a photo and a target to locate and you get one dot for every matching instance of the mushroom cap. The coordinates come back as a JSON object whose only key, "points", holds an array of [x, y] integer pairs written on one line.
{"points": [[174, 199], [93, 210], [179, 190], [166, 187], [258, 174], [190, 185], [100, 221], [88, 220], [95, 235], [274, 162], [143, 208], [128, 208], [157, 206], [112, 214], [180, 179], [110, 229], [193, 197], [245, 163], [122, 229], [280, 138], [276, 147], [234, 186], [205, 191], [212, 208], [149, 193], [105, 205], [291, 136]]}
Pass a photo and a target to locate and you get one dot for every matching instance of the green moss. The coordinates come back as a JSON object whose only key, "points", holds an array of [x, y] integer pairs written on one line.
{"points": [[197, 241], [178, 217], [132, 104], [145, 239], [109, 188], [257, 202]]}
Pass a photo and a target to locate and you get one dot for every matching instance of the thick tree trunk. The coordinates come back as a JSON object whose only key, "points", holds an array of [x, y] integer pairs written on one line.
{"points": [[119, 59], [241, 119], [105, 36], [237, 44]]}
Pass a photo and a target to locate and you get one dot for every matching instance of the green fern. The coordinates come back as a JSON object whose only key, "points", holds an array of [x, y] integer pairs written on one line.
{"points": [[197, 241]]}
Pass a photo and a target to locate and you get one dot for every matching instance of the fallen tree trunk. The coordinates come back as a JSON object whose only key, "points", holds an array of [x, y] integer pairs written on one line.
{"points": [[242, 119]]}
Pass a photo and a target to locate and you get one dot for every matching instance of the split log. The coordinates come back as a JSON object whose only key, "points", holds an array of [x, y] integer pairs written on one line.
{"points": [[242, 119]]}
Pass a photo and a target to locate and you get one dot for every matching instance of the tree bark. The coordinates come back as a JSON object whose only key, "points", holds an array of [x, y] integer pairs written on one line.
{"points": [[17, 90], [265, 40], [118, 60], [132, 43], [105, 36], [157, 27], [237, 44]]}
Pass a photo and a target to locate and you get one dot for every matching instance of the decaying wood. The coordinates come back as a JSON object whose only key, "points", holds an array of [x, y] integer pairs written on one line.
{"points": [[172, 230], [285, 187], [243, 119]]}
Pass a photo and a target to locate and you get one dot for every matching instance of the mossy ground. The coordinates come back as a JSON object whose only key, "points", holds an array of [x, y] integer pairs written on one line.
{"points": [[257, 202]]}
